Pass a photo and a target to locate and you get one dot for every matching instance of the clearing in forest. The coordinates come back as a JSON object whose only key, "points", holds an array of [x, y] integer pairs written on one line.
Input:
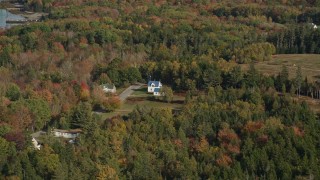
{"points": [[140, 97], [310, 65]]}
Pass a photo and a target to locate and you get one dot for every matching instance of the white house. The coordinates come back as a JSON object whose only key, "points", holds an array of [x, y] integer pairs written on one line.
{"points": [[69, 134], [36, 144], [109, 88], [154, 87], [157, 92], [35, 139], [314, 26]]}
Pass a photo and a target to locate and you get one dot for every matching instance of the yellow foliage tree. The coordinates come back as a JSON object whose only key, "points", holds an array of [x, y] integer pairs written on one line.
{"points": [[106, 172]]}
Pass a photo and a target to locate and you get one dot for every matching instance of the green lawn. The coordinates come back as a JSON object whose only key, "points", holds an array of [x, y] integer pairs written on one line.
{"points": [[310, 65], [142, 92], [141, 98]]}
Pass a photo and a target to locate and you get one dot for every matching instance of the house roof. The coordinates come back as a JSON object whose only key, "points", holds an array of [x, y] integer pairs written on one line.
{"points": [[156, 83], [107, 85], [156, 89]]}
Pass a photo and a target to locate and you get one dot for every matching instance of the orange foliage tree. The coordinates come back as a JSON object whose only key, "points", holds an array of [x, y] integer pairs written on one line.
{"points": [[84, 92], [229, 140]]}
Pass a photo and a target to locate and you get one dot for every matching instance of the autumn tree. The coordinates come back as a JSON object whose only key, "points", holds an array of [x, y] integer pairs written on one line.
{"points": [[84, 92], [166, 94], [106, 172]]}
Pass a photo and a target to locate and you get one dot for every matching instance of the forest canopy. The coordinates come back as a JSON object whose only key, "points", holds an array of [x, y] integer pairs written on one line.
{"points": [[232, 124]]}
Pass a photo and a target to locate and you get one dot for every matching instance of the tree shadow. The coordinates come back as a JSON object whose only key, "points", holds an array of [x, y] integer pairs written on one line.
{"points": [[158, 99], [145, 90], [100, 109]]}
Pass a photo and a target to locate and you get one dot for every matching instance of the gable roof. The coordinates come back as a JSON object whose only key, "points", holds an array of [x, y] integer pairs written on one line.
{"points": [[156, 83]]}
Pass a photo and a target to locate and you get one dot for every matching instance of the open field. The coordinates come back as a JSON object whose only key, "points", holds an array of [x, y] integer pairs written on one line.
{"points": [[141, 98], [314, 104], [310, 65]]}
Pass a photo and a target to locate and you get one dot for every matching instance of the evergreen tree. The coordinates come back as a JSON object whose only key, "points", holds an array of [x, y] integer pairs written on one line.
{"points": [[252, 79], [81, 115], [298, 80]]}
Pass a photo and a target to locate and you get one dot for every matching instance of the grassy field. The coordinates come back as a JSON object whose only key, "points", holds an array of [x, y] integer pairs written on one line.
{"points": [[141, 98], [310, 65], [141, 92], [313, 103]]}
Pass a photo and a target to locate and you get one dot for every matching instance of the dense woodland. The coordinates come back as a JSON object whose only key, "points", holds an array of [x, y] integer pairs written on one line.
{"points": [[234, 124]]}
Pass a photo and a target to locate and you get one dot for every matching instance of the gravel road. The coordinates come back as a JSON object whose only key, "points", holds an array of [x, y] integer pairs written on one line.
{"points": [[129, 91]]}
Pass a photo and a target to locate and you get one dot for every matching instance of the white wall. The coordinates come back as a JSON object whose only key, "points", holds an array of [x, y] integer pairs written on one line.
{"points": [[109, 90], [150, 89], [65, 135]]}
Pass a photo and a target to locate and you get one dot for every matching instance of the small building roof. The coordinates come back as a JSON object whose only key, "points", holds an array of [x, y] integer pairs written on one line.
{"points": [[108, 85], [156, 89], [156, 83], [71, 131]]}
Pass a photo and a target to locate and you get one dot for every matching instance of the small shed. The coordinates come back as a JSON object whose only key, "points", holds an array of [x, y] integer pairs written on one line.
{"points": [[69, 134], [109, 88]]}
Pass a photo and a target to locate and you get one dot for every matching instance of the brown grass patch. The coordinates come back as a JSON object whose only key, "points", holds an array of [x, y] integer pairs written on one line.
{"points": [[310, 65]]}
